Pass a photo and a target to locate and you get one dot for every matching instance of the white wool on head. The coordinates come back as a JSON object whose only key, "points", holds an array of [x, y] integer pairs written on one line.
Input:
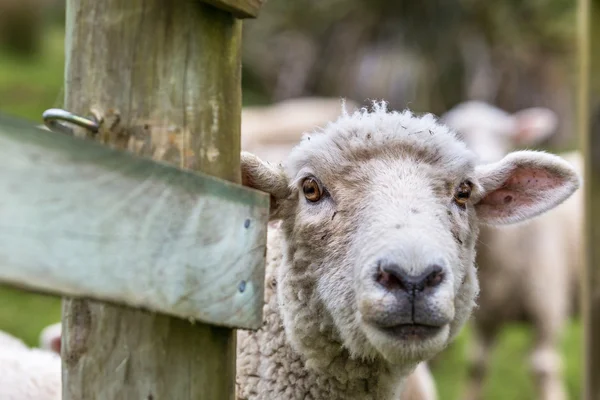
{"points": [[379, 127]]}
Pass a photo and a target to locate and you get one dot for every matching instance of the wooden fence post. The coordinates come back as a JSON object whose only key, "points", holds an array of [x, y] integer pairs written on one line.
{"points": [[172, 71], [589, 127]]}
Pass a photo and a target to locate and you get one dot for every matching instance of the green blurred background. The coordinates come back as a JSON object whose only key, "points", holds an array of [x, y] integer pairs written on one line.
{"points": [[429, 54]]}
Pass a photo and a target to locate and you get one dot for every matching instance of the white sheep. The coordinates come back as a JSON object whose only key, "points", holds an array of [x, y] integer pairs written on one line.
{"points": [[28, 373], [270, 131], [9, 341], [420, 385], [528, 272], [371, 269]]}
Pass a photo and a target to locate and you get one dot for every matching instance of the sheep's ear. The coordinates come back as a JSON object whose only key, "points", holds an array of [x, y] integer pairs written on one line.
{"points": [[55, 344], [263, 176], [523, 185], [533, 125], [50, 337]]}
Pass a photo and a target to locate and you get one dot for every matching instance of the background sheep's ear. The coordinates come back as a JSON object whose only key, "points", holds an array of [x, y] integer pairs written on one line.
{"points": [[265, 177], [522, 185], [55, 344], [533, 125], [50, 338]]}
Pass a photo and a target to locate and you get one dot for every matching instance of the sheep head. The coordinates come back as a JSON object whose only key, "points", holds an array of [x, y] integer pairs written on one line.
{"points": [[380, 215], [491, 132]]}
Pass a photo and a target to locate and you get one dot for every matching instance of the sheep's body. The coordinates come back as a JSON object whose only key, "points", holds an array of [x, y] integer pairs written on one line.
{"points": [[520, 265], [525, 274], [329, 309], [420, 385], [9, 341], [28, 374]]}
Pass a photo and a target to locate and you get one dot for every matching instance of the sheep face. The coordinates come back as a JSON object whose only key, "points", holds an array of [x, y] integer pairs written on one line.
{"points": [[380, 216]]}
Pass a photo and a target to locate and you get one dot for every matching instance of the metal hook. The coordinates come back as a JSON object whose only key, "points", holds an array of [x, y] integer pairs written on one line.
{"points": [[53, 115]]}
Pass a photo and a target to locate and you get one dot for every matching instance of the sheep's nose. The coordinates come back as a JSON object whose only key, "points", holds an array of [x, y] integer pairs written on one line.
{"points": [[394, 278]]}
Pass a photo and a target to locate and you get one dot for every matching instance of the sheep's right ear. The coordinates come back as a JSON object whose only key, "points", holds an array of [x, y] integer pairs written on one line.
{"points": [[523, 185], [260, 175], [533, 125]]}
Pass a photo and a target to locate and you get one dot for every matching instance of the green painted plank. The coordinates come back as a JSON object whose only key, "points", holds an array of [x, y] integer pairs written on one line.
{"points": [[80, 219]]}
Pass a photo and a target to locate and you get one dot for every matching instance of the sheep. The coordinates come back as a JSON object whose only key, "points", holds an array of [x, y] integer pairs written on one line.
{"points": [[420, 385], [271, 131], [28, 373], [9, 341], [520, 264], [370, 269]]}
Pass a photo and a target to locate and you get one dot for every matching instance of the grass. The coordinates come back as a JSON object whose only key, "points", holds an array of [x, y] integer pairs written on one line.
{"points": [[509, 377], [28, 87]]}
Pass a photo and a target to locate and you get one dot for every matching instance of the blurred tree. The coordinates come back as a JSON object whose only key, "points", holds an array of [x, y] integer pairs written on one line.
{"points": [[428, 55], [20, 27], [22, 23]]}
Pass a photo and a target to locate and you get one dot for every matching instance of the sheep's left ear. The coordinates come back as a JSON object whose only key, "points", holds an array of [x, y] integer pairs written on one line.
{"points": [[263, 176], [523, 185]]}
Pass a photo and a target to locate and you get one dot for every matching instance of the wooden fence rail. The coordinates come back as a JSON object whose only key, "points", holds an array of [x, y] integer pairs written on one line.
{"points": [[95, 222]]}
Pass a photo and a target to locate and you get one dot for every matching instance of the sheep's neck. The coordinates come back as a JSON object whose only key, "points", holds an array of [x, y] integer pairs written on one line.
{"points": [[269, 368]]}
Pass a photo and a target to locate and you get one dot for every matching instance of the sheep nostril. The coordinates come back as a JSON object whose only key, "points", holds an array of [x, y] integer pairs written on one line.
{"points": [[435, 277], [389, 280]]}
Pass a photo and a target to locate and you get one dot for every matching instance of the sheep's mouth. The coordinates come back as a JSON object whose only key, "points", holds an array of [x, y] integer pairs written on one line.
{"points": [[412, 331]]}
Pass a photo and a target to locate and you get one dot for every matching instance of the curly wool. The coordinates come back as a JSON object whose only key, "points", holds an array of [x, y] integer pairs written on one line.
{"points": [[28, 374], [269, 368]]}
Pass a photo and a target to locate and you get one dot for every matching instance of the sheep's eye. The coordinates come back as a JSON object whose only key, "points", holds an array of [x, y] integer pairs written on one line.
{"points": [[463, 192], [312, 190]]}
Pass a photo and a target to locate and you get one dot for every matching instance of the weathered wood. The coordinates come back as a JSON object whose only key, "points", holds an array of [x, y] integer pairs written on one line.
{"points": [[102, 223], [169, 67], [239, 8], [589, 126]]}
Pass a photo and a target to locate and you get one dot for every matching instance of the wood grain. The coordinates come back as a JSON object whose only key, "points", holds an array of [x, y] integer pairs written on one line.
{"points": [[172, 70], [589, 127], [101, 223]]}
